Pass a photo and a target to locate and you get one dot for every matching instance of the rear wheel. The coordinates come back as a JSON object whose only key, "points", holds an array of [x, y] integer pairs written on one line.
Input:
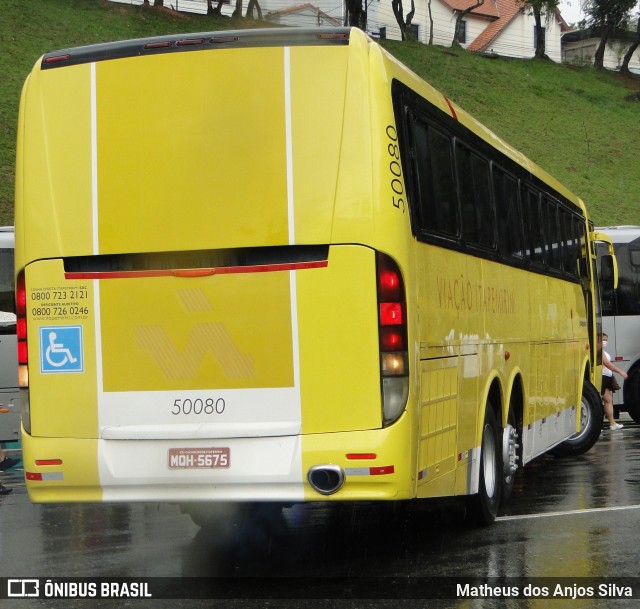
{"points": [[483, 507], [591, 415], [510, 457], [632, 394]]}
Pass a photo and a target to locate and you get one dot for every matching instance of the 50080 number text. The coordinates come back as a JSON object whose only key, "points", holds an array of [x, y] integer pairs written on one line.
{"points": [[187, 406]]}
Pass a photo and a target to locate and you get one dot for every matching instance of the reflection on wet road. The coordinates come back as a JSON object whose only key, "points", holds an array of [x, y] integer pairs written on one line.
{"points": [[569, 517]]}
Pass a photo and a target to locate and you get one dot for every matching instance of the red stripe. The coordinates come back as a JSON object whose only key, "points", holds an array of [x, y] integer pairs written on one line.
{"points": [[32, 476], [224, 270], [453, 112]]}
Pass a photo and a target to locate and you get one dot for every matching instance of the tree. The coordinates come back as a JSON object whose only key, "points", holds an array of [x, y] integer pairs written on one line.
{"points": [[217, 11], [540, 8], [430, 23], [630, 51], [607, 16], [254, 6], [461, 15], [404, 23], [356, 13]]}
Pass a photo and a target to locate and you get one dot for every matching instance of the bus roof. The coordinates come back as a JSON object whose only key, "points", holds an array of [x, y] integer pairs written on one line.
{"points": [[621, 234], [179, 43]]}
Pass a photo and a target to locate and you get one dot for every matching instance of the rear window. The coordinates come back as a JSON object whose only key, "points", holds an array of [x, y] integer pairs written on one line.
{"points": [[7, 296]]}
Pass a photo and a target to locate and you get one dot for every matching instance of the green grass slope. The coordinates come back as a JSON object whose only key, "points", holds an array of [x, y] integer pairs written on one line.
{"points": [[575, 123]]}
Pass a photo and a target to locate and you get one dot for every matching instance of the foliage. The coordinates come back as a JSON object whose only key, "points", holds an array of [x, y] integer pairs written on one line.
{"points": [[573, 122], [607, 16]]}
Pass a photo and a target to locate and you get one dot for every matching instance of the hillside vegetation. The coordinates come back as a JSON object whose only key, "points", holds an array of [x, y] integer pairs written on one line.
{"points": [[573, 122]]}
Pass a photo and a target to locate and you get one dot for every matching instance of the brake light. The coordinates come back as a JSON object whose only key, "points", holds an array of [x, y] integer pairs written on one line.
{"points": [[21, 329], [392, 330]]}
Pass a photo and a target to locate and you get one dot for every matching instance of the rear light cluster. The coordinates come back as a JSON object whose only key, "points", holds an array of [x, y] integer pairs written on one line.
{"points": [[392, 327], [23, 351]]}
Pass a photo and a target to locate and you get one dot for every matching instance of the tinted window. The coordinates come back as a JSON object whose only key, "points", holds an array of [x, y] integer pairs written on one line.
{"points": [[552, 233], [508, 215], [7, 296], [437, 200], [474, 188], [628, 292]]}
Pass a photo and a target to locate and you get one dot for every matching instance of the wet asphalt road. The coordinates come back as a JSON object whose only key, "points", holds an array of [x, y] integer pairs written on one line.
{"points": [[572, 518]]}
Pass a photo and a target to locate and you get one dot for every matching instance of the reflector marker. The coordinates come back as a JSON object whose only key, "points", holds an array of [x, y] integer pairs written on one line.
{"points": [[226, 270], [44, 477], [354, 456], [370, 471], [42, 462], [56, 58]]}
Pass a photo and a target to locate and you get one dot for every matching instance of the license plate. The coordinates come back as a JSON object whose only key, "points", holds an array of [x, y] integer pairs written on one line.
{"points": [[199, 458]]}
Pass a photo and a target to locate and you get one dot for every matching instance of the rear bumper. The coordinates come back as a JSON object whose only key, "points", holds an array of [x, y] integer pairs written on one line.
{"points": [[375, 463]]}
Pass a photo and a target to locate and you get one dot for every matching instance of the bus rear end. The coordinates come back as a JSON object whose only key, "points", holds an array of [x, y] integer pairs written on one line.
{"points": [[202, 312]]}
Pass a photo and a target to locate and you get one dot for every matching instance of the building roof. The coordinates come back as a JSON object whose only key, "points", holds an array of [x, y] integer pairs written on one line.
{"points": [[500, 12], [301, 8], [507, 10], [488, 9]]}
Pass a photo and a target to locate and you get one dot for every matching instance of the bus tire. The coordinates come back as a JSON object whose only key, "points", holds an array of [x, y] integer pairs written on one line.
{"points": [[510, 457], [631, 390], [591, 415], [483, 507]]}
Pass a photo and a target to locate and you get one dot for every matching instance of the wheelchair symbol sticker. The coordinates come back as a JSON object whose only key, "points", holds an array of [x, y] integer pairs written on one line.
{"points": [[61, 349]]}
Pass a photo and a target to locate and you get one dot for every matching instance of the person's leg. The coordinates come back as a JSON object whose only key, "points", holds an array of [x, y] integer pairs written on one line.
{"points": [[607, 399]]}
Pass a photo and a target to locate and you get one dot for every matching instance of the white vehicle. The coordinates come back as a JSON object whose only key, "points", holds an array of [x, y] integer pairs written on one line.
{"points": [[9, 396], [621, 314]]}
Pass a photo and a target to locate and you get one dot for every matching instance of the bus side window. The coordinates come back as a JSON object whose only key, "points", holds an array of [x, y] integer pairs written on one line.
{"points": [[552, 233], [437, 212], [532, 226], [7, 294], [628, 292], [510, 242], [475, 198]]}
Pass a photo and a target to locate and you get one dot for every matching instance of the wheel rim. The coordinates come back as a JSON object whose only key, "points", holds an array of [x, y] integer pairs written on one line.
{"points": [[509, 451], [585, 419], [489, 461]]}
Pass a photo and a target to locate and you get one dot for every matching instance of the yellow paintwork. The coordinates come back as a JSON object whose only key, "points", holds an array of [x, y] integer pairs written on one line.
{"points": [[189, 151]]}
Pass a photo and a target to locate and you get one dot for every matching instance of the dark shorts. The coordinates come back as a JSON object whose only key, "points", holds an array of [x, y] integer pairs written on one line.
{"points": [[607, 383]]}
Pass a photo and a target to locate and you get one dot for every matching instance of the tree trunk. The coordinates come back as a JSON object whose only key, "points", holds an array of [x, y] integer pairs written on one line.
{"points": [[254, 5], [540, 35], [461, 15], [356, 14], [217, 11], [158, 3], [430, 24], [598, 58], [630, 51], [398, 12], [238, 10]]}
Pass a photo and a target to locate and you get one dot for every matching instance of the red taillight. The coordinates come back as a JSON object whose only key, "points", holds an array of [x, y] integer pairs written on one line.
{"points": [[23, 356], [21, 327], [392, 339], [391, 306], [21, 296], [391, 314], [392, 331]]}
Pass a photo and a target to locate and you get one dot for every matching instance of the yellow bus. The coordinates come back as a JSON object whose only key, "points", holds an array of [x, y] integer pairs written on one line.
{"points": [[277, 266]]}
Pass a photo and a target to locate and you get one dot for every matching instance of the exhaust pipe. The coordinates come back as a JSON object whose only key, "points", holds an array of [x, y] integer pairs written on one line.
{"points": [[326, 479]]}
